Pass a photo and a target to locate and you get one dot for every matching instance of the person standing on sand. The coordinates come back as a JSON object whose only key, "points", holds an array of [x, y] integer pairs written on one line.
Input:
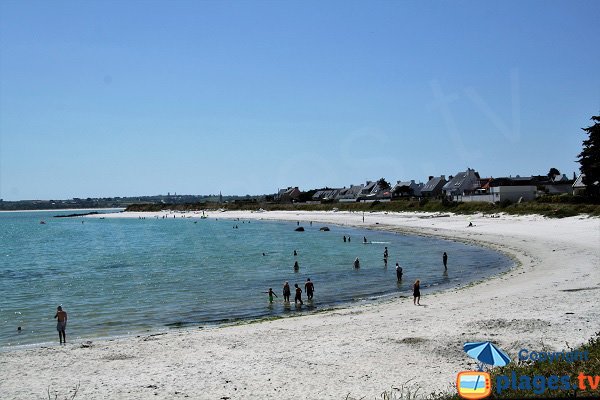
{"points": [[417, 293], [309, 288], [445, 260], [286, 292], [61, 325], [298, 297], [398, 272], [271, 294]]}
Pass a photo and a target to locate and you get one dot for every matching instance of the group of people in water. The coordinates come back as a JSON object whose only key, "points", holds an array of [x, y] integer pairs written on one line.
{"points": [[399, 272], [309, 287]]}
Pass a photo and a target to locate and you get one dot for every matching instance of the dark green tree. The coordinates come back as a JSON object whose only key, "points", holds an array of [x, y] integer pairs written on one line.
{"points": [[589, 158], [383, 184], [553, 173]]}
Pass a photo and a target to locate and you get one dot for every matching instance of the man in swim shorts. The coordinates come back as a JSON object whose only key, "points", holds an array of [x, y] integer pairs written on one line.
{"points": [[310, 288], [298, 297], [61, 325], [286, 292]]}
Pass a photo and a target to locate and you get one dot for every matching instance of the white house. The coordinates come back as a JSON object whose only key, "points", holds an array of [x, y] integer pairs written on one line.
{"points": [[495, 194]]}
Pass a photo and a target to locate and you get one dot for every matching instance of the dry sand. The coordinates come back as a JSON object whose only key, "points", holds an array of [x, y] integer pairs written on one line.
{"points": [[549, 299]]}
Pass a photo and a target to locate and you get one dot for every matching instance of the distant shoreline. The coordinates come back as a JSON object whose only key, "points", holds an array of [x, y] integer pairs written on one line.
{"points": [[63, 209]]}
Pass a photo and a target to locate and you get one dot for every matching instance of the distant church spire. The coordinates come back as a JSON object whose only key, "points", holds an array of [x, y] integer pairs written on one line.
{"points": [[220, 197]]}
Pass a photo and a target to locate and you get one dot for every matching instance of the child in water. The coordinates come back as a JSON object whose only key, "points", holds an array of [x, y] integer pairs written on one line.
{"points": [[271, 294]]}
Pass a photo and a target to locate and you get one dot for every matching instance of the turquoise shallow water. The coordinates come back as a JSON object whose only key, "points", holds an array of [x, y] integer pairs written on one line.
{"points": [[120, 276]]}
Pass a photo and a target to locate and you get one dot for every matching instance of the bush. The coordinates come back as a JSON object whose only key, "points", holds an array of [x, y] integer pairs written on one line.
{"points": [[504, 203]]}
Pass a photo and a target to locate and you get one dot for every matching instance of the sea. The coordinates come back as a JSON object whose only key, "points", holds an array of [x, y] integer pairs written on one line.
{"points": [[129, 276]]}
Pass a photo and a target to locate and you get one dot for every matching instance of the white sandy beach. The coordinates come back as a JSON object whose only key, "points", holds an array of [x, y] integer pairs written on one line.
{"points": [[548, 301]]}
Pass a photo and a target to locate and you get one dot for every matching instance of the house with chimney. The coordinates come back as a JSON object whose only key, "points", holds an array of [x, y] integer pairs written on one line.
{"points": [[371, 191], [407, 189], [349, 195], [463, 183], [289, 195], [325, 195]]}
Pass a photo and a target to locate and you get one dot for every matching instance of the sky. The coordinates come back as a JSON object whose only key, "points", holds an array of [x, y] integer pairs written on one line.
{"points": [[127, 98]]}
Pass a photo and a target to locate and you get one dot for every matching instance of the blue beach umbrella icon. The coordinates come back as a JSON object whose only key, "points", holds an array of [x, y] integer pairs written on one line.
{"points": [[486, 353]]}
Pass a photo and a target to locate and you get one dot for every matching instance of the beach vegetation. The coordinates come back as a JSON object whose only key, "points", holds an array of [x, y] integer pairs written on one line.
{"points": [[406, 391], [70, 396], [553, 206], [504, 203]]}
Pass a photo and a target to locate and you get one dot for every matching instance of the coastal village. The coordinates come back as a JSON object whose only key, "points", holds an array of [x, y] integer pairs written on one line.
{"points": [[464, 186]]}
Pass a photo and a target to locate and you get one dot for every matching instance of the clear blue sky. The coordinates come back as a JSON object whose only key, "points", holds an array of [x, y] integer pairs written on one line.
{"points": [[119, 98]]}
